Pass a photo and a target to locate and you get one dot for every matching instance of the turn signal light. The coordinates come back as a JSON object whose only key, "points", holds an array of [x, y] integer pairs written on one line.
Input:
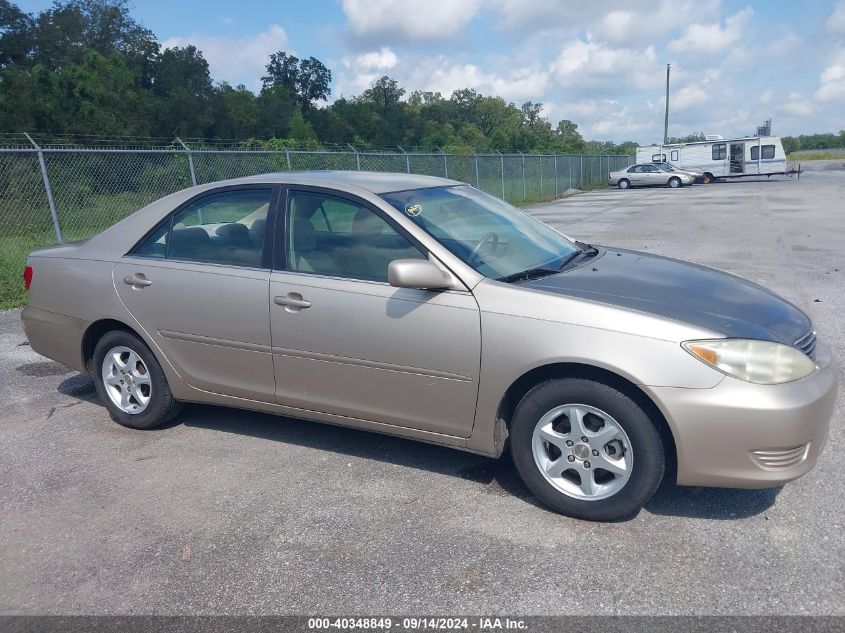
{"points": [[27, 277], [705, 354]]}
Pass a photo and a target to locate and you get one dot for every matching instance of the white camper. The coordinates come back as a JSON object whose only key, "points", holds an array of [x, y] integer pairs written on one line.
{"points": [[718, 157]]}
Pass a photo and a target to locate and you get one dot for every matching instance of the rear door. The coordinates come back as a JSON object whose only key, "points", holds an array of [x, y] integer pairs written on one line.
{"points": [[347, 343], [635, 175], [198, 285]]}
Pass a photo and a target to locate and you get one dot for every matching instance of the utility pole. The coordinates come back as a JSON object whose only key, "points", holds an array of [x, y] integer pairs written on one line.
{"points": [[666, 120]]}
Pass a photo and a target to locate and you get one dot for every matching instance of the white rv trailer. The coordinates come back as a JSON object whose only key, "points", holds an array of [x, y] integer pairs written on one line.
{"points": [[718, 157]]}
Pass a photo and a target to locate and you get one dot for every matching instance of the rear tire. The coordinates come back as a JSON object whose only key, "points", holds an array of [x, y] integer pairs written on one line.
{"points": [[675, 182], [624, 184], [131, 383], [577, 487], [708, 178]]}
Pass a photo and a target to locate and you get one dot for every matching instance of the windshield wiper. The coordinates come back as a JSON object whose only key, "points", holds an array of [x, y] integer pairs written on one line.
{"points": [[525, 275], [534, 273]]}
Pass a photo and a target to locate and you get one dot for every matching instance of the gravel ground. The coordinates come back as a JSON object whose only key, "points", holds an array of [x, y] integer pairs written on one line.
{"points": [[243, 513]]}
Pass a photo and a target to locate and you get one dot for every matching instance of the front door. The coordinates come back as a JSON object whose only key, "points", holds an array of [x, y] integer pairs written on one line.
{"points": [[737, 158], [198, 285], [347, 343], [652, 176]]}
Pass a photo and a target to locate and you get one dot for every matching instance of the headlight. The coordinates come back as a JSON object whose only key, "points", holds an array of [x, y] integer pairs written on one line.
{"points": [[761, 362]]}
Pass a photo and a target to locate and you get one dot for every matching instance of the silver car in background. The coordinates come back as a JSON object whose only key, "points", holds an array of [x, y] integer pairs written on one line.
{"points": [[648, 174], [424, 308]]}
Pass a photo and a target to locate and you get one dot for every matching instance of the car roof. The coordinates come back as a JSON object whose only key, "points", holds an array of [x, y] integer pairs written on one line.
{"points": [[373, 181]]}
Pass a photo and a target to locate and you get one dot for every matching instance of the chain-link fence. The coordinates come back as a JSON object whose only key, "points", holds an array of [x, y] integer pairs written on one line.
{"points": [[56, 194]]}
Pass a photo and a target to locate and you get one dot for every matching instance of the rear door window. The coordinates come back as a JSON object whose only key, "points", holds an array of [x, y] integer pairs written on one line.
{"points": [[221, 228]]}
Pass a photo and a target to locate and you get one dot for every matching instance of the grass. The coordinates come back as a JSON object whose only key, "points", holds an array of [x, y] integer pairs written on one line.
{"points": [[831, 154], [13, 252]]}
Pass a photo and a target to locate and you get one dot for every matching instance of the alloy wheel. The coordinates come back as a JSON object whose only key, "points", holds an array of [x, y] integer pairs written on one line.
{"points": [[126, 380], [582, 451]]}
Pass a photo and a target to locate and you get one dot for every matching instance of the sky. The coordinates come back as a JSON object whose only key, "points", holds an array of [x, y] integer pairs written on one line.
{"points": [[599, 63]]}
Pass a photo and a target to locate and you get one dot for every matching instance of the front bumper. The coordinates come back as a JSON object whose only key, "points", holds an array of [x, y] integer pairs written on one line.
{"points": [[743, 435]]}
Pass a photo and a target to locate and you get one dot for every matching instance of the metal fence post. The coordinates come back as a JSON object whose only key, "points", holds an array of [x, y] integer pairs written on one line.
{"points": [[569, 160], [581, 171], [287, 158], [357, 156], [190, 162], [540, 158], [53, 214], [523, 176], [477, 180], [556, 188], [502, 158], [407, 160], [445, 164]]}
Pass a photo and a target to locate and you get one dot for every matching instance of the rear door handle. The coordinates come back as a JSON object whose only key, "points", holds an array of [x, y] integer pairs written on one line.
{"points": [[138, 280], [292, 302]]}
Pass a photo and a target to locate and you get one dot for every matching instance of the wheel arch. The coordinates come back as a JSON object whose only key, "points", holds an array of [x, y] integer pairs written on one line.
{"points": [[95, 332], [522, 385]]}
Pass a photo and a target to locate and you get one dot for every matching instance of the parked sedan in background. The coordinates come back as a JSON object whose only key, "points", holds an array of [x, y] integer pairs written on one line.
{"points": [[424, 308], [647, 174]]}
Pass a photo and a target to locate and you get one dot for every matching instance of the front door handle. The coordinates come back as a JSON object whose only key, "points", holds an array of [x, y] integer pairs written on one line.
{"points": [[137, 281], [292, 302]]}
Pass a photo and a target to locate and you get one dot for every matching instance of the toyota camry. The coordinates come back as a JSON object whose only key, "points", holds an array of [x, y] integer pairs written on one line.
{"points": [[425, 308]]}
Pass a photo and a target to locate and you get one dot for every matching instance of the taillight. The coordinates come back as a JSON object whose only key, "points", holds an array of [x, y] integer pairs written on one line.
{"points": [[27, 276]]}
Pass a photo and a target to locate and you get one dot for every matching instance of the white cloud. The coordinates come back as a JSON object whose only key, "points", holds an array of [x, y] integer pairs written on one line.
{"points": [[236, 59], [766, 97], [712, 38], [636, 26], [695, 94], [798, 105], [399, 20], [515, 15], [381, 59], [518, 84], [360, 71], [836, 21], [832, 80], [608, 119], [590, 67]]}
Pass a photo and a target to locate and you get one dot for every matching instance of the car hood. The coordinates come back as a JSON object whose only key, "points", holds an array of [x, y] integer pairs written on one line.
{"points": [[681, 291]]}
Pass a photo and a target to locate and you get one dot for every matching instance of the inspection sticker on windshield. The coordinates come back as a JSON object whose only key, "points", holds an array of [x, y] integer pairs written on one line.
{"points": [[413, 209]]}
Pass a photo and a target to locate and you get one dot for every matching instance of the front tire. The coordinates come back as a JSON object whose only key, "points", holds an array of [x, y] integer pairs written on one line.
{"points": [[624, 184], [131, 383], [586, 449], [675, 182], [708, 178]]}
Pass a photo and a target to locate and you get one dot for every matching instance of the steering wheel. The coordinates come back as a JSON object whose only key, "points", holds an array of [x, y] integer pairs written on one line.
{"points": [[491, 237]]}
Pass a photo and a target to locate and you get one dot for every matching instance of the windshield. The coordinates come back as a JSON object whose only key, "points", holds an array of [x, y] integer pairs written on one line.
{"points": [[666, 167], [495, 238]]}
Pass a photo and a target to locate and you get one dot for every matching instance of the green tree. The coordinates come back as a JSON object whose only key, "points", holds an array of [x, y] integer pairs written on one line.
{"points": [[98, 96], [236, 112], [307, 80], [385, 95], [275, 107], [299, 129], [183, 86], [16, 39]]}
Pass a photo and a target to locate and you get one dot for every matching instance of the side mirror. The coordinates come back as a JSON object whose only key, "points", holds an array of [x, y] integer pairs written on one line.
{"points": [[417, 273]]}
